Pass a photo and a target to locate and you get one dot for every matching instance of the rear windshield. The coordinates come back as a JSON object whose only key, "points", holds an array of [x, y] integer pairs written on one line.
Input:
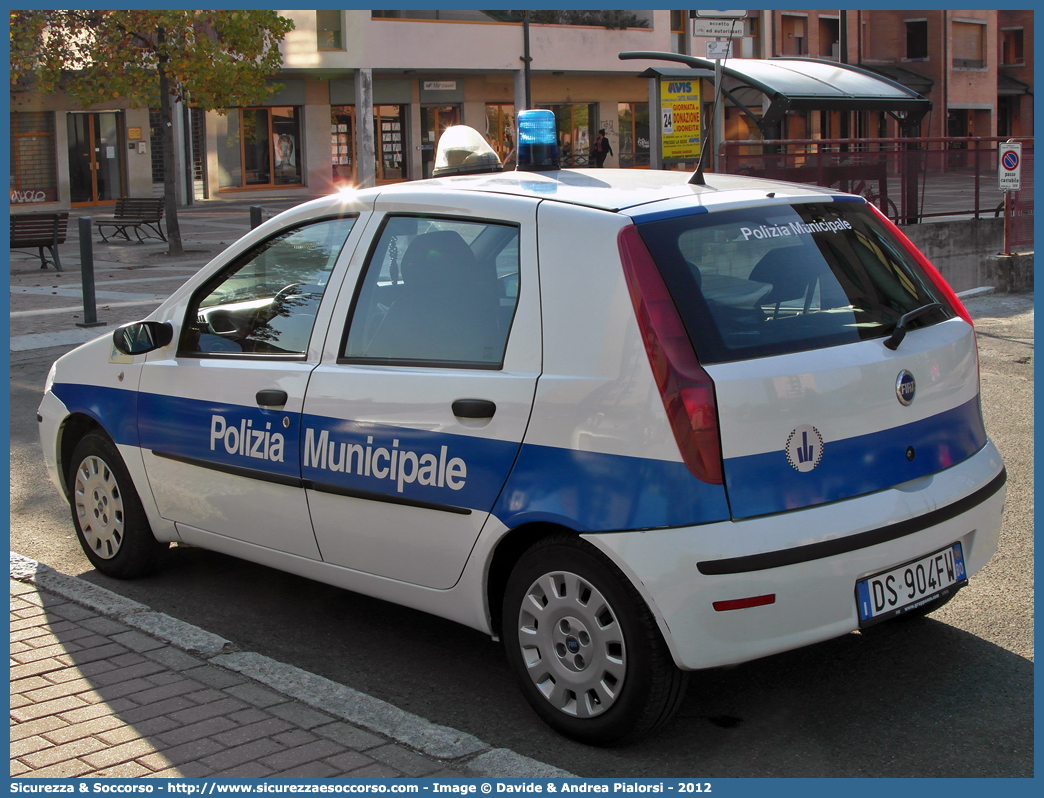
{"points": [[787, 278]]}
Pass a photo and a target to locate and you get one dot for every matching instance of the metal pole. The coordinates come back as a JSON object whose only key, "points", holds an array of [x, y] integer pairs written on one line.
{"points": [[526, 58], [90, 308], [1007, 222], [719, 115], [255, 216]]}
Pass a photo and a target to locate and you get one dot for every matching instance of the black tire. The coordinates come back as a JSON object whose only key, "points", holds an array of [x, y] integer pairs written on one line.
{"points": [[595, 667], [110, 522]]}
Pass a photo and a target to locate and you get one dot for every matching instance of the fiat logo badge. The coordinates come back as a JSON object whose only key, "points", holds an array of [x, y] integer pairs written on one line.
{"points": [[905, 387]]}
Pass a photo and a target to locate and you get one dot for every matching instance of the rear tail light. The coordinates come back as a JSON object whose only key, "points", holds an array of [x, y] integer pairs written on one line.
{"points": [[686, 389]]}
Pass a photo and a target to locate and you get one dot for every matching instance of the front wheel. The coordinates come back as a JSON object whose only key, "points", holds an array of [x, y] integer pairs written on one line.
{"points": [[585, 647], [110, 522]]}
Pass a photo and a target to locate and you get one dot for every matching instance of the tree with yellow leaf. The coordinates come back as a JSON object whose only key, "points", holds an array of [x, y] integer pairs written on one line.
{"points": [[206, 59]]}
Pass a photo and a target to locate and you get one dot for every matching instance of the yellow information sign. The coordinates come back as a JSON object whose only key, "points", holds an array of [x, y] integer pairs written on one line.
{"points": [[680, 118]]}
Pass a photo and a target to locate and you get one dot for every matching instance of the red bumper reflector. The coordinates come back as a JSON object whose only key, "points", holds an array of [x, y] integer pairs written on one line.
{"points": [[742, 604]]}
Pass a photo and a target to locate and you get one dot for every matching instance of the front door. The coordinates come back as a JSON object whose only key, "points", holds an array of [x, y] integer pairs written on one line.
{"points": [[413, 420], [434, 121], [95, 158], [220, 421]]}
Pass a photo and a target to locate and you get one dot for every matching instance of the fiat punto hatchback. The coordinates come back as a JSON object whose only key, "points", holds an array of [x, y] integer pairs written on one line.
{"points": [[633, 426]]}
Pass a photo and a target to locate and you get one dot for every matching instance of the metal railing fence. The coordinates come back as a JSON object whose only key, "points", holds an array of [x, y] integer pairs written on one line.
{"points": [[910, 179]]}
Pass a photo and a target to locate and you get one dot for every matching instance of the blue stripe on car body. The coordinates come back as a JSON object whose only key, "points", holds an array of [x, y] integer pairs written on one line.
{"points": [[763, 484]]}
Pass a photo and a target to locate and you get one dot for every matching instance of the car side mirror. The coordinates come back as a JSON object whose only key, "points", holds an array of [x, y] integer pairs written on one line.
{"points": [[140, 337]]}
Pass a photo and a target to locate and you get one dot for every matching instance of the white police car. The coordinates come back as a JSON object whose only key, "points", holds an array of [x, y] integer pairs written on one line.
{"points": [[634, 426]]}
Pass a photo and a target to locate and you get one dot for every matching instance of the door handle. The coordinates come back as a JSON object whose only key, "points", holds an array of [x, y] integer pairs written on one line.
{"points": [[271, 398], [474, 408]]}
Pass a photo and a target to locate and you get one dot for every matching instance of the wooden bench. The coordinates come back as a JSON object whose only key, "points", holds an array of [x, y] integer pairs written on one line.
{"points": [[134, 214], [40, 230]]}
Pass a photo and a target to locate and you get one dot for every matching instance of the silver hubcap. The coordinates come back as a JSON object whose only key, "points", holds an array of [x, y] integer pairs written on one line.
{"points": [[572, 644], [99, 507]]}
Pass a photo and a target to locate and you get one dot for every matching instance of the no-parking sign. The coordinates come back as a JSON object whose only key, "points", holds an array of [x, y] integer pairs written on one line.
{"points": [[1009, 169]]}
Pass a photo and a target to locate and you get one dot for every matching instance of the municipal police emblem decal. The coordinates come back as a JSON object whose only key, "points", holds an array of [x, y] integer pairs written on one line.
{"points": [[804, 448]]}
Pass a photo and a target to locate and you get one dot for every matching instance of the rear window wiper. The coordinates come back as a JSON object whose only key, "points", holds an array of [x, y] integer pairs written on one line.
{"points": [[899, 333]]}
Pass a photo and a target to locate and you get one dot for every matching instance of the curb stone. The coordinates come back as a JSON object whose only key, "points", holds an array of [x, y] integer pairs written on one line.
{"points": [[442, 742]]}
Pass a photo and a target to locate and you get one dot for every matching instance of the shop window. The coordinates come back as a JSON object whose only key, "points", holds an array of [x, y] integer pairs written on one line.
{"points": [[633, 143], [500, 130], [917, 38], [1011, 46], [576, 125], [389, 130], [389, 140], [968, 45], [259, 148], [328, 30], [342, 144], [34, 177]]}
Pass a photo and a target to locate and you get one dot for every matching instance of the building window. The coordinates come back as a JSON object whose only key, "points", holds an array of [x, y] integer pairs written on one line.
{"points": [[969, 39], [602, 19], [500, 130], [633, 143], [328, 30], [830, 38], [917, 38], [1011, 47], [34, 177], [794, 35], [678, 20], [259, 148], [752, 38]]}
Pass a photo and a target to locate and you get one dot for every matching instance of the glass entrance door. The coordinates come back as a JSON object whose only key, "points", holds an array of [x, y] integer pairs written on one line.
{"points": [[95, 158], [434, 120]]}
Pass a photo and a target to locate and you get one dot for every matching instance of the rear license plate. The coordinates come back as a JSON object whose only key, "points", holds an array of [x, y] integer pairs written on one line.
{"points": [[911, 586]]}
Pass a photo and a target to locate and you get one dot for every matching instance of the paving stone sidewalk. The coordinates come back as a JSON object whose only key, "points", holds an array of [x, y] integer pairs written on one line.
{"points": [[93, 694], [93, 697]]}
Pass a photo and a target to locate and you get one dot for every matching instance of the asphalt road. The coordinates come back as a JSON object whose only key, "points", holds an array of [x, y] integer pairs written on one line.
{"points": [[946, 696]]}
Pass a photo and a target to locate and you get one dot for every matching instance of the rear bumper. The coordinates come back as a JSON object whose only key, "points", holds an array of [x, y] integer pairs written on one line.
{"points": [[810, 560]]}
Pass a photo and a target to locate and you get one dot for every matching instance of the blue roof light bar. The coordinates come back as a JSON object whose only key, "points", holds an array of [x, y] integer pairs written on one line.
{"points": [[537, 141]]}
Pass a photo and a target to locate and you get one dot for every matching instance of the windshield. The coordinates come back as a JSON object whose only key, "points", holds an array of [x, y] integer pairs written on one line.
{"points": [[787, 278]]}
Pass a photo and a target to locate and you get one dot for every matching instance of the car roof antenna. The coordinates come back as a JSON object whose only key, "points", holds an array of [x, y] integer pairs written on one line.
{"points": [[697, 178]]}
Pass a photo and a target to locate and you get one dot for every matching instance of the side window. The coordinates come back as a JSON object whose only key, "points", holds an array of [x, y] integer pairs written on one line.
{"points": [[436, 292], [265, 302]]}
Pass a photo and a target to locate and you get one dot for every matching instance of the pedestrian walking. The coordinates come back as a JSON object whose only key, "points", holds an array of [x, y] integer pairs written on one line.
{"points": [[602, 148]]}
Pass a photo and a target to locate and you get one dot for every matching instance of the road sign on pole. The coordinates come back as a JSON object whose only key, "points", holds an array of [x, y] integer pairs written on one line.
{"points": [[719, 49], [1009, 169], [727, 28]]}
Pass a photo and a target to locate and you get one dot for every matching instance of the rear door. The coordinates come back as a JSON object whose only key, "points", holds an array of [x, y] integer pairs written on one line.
{"points": [[414, 417], [789, 308]]}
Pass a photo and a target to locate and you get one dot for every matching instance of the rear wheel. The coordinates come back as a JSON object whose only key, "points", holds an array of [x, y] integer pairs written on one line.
{"points": [[107, 513], [584, 646]]}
